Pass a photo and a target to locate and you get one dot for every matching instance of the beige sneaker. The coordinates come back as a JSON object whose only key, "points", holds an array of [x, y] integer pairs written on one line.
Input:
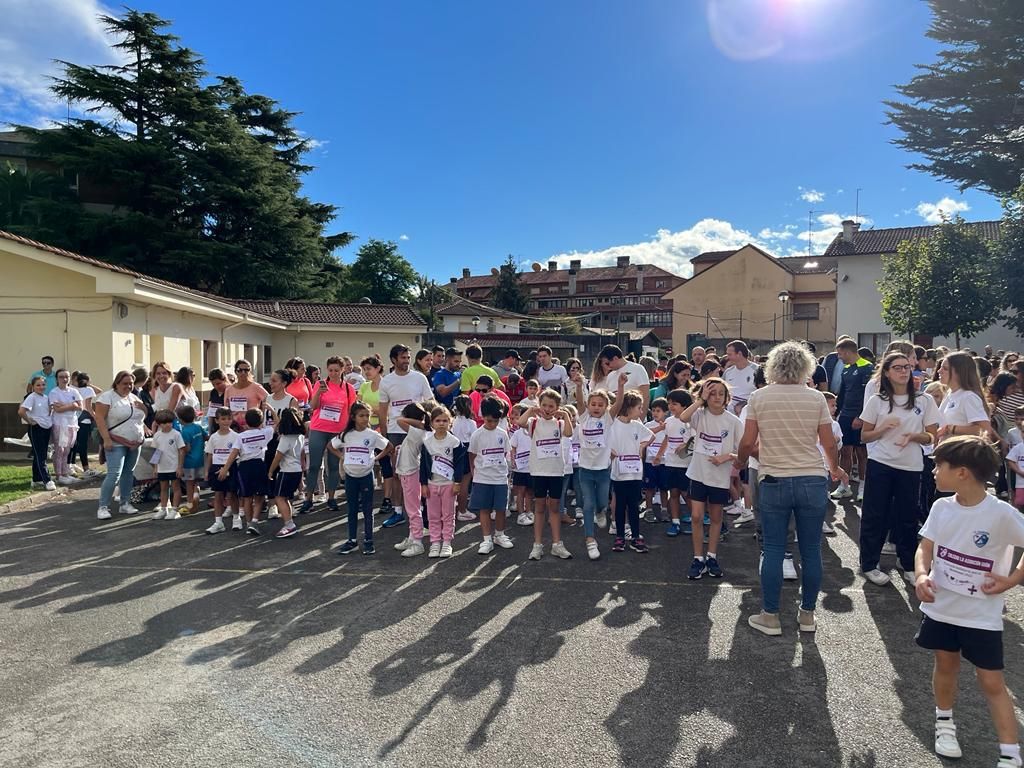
{"points": [[768, 623], [806, 620]]}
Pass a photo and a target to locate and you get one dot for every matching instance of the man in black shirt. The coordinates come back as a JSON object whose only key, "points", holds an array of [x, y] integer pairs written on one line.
{"points": [[856, 374]]}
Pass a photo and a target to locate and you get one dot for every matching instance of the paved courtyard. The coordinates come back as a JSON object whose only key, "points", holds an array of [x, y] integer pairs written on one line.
{"points": [[141, 643]]}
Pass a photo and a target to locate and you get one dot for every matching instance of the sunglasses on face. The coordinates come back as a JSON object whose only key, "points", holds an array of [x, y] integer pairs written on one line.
{"points": [[242, 370], [482, 390]]}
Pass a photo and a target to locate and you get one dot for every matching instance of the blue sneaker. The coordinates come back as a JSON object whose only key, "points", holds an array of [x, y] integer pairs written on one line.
{"points": [[398, 518], [332, 504], [673, 530], [368, 548], [707, 519], [697, 569], [305, 507], [348, 547], [714, 570], [687, 519]]}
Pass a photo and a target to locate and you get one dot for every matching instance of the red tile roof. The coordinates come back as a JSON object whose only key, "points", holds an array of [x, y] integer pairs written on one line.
{"points": [[467, 307], [877, 241], [711, 257], [321, 313]]}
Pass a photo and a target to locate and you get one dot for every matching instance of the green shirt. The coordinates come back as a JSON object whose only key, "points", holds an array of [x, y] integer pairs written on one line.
{"points": [[474, 372], [371, 397]]}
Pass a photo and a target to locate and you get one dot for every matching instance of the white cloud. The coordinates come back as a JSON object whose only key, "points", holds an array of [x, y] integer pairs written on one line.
{"points": [[946, 208], [831, 225], [35, 33], [776, 234], [667, 249], [403, 237], [812, 195]]}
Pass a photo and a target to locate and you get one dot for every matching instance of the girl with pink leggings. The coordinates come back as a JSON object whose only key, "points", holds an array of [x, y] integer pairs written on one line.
{"points": [[440, 475], [407, 467]]}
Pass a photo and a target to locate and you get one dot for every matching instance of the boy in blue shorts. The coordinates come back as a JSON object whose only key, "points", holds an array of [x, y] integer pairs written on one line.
{"points": [[655, 475], [962, 567]]}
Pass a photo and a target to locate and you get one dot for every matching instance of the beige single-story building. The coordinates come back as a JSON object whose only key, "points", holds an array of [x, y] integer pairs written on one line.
{"points": [[102, 318]]}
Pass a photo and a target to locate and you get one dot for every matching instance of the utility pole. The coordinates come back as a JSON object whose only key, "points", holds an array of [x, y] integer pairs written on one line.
{"points": [[810, 215], [856, 208]]}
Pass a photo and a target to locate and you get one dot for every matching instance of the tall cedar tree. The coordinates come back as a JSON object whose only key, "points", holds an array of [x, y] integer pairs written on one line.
{"points": [[949, 285], [509, 291], [204, 179], [381, 274], [964, 112]]}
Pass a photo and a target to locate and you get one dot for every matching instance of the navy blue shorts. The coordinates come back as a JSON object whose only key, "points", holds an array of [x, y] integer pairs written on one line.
{"points": [[851, 436], [521, 480], [982, 647], [677, 479], [285, 484], [545, 487], [222, 486], [493, 497], [167, 476], [252, 477], [708, 494], [655, 476]]}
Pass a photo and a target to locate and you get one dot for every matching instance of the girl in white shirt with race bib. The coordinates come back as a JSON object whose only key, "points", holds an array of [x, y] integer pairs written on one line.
{"points": [[412, 422], [463, 427], [519, 455], [716, 440], [628, 440], [357, 449], [488, 455], [594, 473], [546, 424], [440, 475]]}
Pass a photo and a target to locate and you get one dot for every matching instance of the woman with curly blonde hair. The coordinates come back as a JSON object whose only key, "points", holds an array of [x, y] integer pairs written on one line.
{"points": [[786, 420]]}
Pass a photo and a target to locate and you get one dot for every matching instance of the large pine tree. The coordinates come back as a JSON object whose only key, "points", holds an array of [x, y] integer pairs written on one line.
{"points": [[204, 178], [965, 112]]}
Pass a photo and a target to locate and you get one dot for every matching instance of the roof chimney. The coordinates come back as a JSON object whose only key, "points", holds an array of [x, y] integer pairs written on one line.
{"points": [[850, 228], [622, 262], [572, 280], [552, 266], [465, 272], [453, 280], [639, 278], [576, 264]]}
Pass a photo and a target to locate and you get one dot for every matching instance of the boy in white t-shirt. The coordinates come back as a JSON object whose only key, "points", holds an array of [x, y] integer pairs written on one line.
{"points": [[519, 457], [1015, 461], [962, 567], [168, 458]]}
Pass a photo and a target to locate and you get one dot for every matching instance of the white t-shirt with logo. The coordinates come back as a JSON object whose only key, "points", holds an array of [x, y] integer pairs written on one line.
{"points": [[220, 446], [290, 447], [490, 456], [442, 457], [254, 443], [714, 435], [625, 438], [659, 437], [38, 409], [968, 543], [553, 377], [398, 391], [165, 449], [741, 384], [520, 453], [884, 449], [546, 458], [63, 397], [595, 452], [961, 408], [678, 434], [358, 449], [636, 377]]}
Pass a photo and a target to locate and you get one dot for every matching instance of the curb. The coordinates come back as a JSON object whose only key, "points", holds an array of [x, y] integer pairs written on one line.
{"points": [[63, 493]]}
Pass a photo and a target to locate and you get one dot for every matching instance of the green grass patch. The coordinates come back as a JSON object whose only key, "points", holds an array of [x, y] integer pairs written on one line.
{"points": [[14, 483]]}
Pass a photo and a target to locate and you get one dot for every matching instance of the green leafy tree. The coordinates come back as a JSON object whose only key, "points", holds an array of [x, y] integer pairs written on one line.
{"points": [[509, 290], [31, 203], [963, 113], [382, 274], [1007, 251], [199, 177], [947, 284], [428, 296]]}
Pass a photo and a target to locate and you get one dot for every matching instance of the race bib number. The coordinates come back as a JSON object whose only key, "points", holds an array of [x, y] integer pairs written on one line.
{"points": [[238, 404], [443, 467], [220, 455], [522, 461], [575, 453], [253, 444], [550, 448], [630, 465], [594, 438], [960, 573], [155, 458], [396, 407], [211, 410], [494, 457], [330, 413], [357, 456], [708, 445]]}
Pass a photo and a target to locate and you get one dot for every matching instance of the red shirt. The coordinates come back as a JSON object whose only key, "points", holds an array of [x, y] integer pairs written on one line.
{"points": [[476, 398], [515, 393]]}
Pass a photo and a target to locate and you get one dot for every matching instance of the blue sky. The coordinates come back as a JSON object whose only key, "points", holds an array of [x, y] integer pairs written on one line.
{"points": [[467, 131]]}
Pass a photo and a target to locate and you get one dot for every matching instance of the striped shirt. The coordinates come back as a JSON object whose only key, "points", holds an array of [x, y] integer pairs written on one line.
{"points": [[1008, 405], [788, 417]]}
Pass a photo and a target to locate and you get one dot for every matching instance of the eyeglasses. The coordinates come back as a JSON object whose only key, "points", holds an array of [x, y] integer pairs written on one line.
{"points": [[242, 370], [483, 391], [900, 367]]}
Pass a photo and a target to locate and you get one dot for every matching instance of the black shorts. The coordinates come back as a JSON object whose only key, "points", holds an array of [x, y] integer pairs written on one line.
{"points": [[745, 476], [387, 467], [982, 647], [285, 484], [547, 487], [677, 479], [397, 438], [521, 480], [252, 476], [166, 475], [655, 476], [708, 494], [222, 486], [851, 436], [462, 465]]}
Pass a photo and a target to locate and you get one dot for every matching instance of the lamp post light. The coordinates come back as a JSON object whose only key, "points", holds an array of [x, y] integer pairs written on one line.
{"points": [[784, 298]]}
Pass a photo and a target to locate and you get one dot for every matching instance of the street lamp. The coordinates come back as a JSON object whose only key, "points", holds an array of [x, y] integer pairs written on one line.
{"points": [[784, 298]]}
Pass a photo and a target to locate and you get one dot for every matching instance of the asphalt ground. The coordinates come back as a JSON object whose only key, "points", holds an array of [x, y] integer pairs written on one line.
{"points": [[132, 642]]}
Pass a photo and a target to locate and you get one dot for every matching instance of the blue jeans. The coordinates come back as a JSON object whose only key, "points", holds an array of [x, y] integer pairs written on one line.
{"points": [[120, 465], [317, 453], [359, 497], [594, 486], [806, 499]]}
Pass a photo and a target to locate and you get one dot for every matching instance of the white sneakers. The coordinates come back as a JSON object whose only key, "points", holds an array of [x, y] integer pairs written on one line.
{"points": [[558, 550], [103, 513], [877, 578], [788, 568], [736, 508], [435, 550], [486, 547], [601, 520], [165, 513], [502, 540], [467, 516], [446, 549], [746, 516], [126, 508], [525, 519], [592, 551], [537, 552], [66, 480], [414, 548], [404, 544], [217, 527], [842, 492], [50, 486], [946, 743], [236, 523]]}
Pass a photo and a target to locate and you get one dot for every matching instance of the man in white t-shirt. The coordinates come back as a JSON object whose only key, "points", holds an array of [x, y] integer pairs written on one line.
{"points": [[618, 367], [399, 388], [739, 374], [549, 375]]}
